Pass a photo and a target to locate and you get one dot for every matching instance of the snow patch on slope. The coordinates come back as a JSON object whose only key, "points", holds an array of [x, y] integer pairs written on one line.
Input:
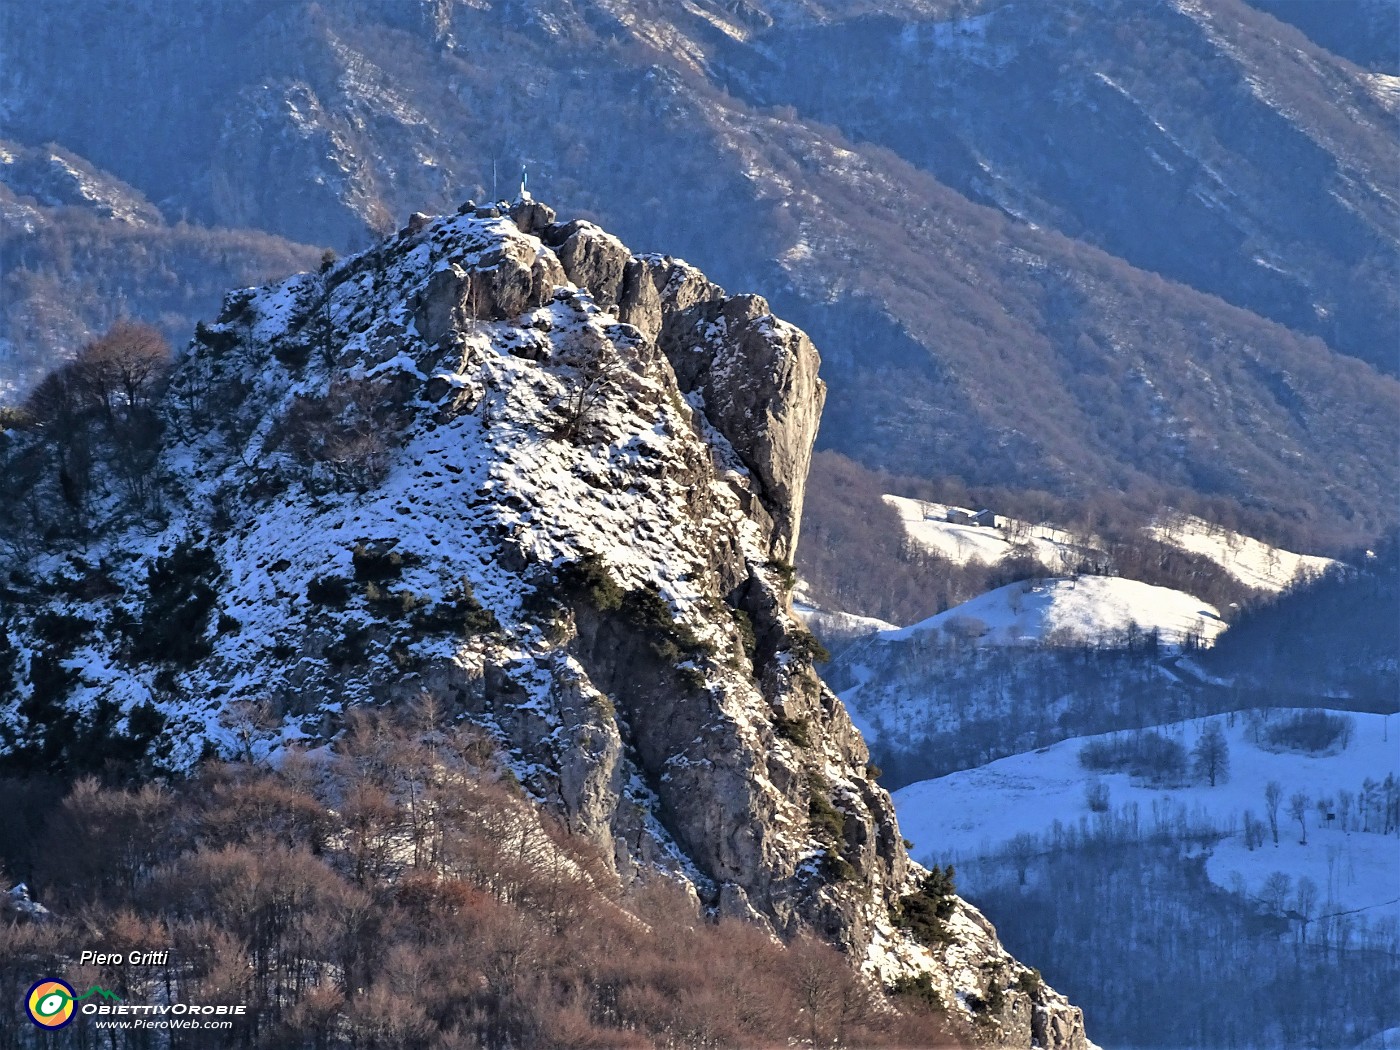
{"points": [[1386, 90], [944, 530], [1250, 561], [927, 524], [1084, 609], [976, 812]]}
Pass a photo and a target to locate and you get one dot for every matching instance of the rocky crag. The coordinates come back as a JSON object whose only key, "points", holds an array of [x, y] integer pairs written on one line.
{"points": [[505, 462]]}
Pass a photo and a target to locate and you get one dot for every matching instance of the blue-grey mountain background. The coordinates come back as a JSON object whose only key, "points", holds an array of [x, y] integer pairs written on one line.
{"points": [[1074, 247], [1083, 262]]}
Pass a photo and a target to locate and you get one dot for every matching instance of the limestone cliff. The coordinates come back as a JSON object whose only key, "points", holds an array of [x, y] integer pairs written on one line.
{"points": [[505, 462]]}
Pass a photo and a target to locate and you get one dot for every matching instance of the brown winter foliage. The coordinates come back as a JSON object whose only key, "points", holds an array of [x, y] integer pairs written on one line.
{"points": [[346, 431], [95, 419], [117, 372], [401, 893]]}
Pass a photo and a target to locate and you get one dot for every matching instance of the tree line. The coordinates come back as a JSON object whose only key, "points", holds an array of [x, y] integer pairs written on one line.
{"points": [[401, 892]]}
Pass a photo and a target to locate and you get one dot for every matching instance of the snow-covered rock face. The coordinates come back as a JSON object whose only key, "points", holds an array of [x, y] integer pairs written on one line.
{"points": [[442, 467]]}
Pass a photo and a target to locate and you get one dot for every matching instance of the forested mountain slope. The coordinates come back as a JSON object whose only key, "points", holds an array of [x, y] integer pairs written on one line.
{"points": [[1020, 278], [81, 249]]}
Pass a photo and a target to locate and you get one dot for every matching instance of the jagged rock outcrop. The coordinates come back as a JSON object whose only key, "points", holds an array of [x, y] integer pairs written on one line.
{"points": [[757, 379], [531, 216], [556, 488], [17, 906], [754, 375], [593, 259], [505, 282]]}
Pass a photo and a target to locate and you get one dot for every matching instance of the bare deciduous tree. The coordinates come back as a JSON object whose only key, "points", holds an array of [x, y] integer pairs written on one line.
{"points": [[1304, 901], [1022, 850], [1273, 795], [1210, 758], [1253, 831], [596, 367], [121, 370], [1298, 810], [1275, 890], [346, 431]]}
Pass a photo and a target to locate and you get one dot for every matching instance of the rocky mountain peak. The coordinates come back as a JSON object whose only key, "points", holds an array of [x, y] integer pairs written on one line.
{"points": [[504, 462]]}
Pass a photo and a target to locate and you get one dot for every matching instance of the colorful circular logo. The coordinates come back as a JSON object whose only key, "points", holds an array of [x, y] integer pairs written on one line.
{"points": [[51, 1003]]}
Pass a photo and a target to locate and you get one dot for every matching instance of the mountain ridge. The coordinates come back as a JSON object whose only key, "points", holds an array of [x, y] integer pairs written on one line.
{"points": [[444, 466]]}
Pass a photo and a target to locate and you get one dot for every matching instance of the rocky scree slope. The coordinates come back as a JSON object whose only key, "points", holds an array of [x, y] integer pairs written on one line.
{"points": [[505, 461]]}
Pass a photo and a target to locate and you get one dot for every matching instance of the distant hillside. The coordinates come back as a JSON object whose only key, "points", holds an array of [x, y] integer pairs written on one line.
{"points": [[79, 249], [977, 812], [1208, 143], [1335, 635], [905, 559], [934, 703], [1082, 610], [1016, 279], [1015, 659], [953, 533], [1253, 563], [965, 536], [1365, 31]]}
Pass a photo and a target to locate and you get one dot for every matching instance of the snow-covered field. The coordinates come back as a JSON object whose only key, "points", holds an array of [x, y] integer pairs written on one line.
{"points": [[1251, 561], [1074, 611], [927, 524], [1356, 871], [1387, 1040], [977, 812]]}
